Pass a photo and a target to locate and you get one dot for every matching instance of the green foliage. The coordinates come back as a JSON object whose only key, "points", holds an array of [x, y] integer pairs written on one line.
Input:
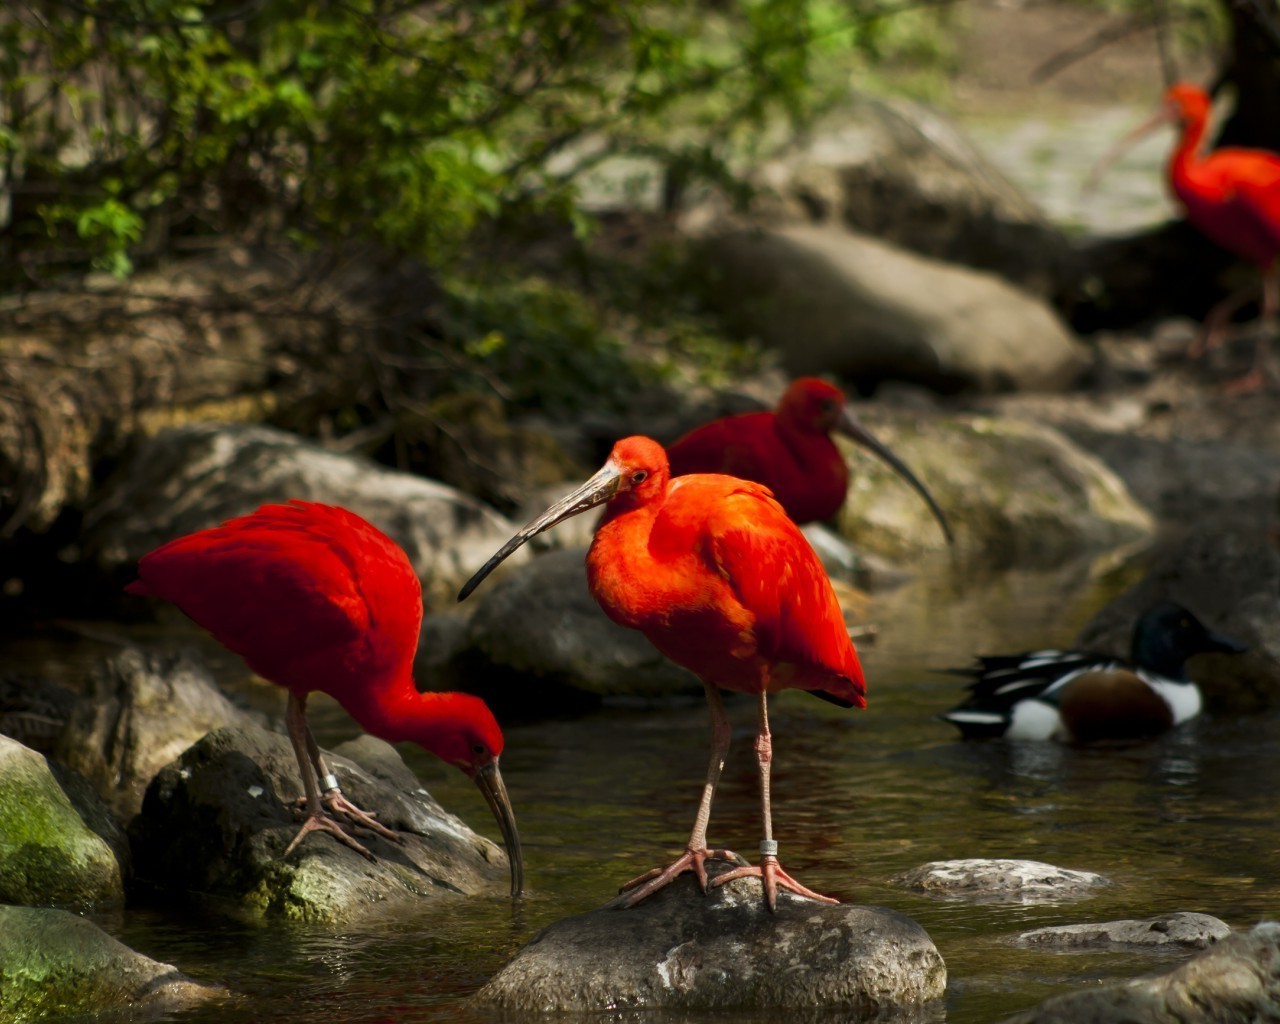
{"points": [[403, 123]]}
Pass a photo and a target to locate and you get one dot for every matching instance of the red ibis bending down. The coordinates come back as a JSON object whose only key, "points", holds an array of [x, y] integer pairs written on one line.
{"points": [[315, 598], [711, 569], [791, 452]]}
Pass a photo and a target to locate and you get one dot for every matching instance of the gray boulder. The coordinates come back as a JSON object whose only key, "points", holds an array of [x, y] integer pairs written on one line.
{"points": [[1189, 930], [1228, 576], [189, 478], [1000, 880], [139, 712], [679, 950], [832, 301], [1236, 980], [1016, 493], [58, 844], [54, 963], [214, 824]]}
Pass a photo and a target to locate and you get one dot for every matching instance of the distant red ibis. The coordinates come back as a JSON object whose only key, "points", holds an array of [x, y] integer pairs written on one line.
{"points": [[1233, 196], [711, 569], [790, 451], [315, 598]]}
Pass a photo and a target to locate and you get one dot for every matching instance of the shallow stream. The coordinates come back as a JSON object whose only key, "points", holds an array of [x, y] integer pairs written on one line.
{"points": [[1184, 823]]}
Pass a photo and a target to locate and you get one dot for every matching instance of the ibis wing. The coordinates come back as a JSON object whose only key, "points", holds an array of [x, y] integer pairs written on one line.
{"points": [[737, 446], [776, 576]]}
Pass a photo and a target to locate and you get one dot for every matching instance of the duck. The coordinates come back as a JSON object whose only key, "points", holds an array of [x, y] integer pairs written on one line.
{"points": [[1078, 696]]}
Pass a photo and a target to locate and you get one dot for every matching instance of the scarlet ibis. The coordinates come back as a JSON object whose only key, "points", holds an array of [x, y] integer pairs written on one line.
{"points": [[1233, 196], [713, 572], [791, 452], [1079, 696], [313, 597]]}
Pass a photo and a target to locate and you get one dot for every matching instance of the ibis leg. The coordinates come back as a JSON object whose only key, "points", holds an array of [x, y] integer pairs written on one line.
{"points": [[335, 802], [1256, 378], [1217, 322], [696, 852], [770, 872], [317, 821]]}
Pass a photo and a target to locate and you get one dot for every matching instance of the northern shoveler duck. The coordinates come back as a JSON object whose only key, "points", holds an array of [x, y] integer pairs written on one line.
{"points": [[1079, 696]]}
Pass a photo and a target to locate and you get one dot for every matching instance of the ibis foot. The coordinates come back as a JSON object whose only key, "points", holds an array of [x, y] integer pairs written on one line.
{"points": [[345, 811], [644, 886], [321, 822], [1251, 383], [773, 877]]}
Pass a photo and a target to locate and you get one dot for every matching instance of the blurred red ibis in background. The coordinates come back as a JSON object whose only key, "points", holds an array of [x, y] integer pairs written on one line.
{"points": [[790, 451], [315, 598], [1232, 195], [713, 572]]}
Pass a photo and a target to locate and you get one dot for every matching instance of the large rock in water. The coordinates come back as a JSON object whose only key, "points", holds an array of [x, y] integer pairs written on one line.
{"points": [[58, 844], [1016, 493], [139, 712], [679, 950], [832, 301], [54, 963], [189, 478], [214, 823], [1237, 980]]}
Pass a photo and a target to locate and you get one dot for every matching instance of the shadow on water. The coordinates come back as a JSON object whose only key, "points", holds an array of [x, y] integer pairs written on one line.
{"points": [[1186, 822]]}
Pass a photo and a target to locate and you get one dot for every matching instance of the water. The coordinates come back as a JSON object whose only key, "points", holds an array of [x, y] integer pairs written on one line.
{"points": [[1183, 823]]}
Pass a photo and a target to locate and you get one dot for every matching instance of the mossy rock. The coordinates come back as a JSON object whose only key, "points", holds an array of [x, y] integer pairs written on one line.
{"points": [[49, 854]]}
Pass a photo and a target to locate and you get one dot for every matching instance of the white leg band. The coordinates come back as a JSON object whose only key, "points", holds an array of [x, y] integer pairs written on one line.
{"points": [[768, 848], [328, 783]]}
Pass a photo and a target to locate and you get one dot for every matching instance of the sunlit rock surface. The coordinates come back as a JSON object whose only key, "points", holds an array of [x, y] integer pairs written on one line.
{"points": [[1195, 931], [1015, 493], [189, 478], [54, 963], [215, 822], [58, 844], [1236, 980], [725, 951], [1003, 881]]}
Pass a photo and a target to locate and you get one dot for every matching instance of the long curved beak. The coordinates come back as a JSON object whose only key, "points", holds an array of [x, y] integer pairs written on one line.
{"points": [[596, 491], [1163, 116], [852, 428], [489, 779]]}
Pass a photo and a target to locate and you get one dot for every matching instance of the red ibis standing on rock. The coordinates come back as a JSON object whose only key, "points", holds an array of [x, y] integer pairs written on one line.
{"points": [[315, 598], [713, 572], [790, 451], [1233, 196]]}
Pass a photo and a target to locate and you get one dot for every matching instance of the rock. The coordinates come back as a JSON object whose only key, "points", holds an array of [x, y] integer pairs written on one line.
{"points": [[54, 963], [1228, 576], [903, 172], [679, 950], [189, 478], [1016, 493], [832, 301], [1236, 980], [214, 823], [140, 711], [34, 711], [1003, 881], [541, 621], [1195, 931], [51, 850]]}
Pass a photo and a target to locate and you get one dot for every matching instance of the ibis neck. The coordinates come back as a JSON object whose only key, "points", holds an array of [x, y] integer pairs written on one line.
{"points": [[394, 710], [1189, 150]]}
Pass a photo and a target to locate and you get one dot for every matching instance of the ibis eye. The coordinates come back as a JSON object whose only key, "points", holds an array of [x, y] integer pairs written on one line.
{"points": [[479, 749], [639, 476]]}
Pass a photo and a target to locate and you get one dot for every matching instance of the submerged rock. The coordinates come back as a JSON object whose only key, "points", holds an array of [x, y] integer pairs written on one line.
{"points": [[1196, 931], [1236, 980], [724, 951], [54, 963], [58, 845], [214, 824], [1004, 881], [139, 712]]}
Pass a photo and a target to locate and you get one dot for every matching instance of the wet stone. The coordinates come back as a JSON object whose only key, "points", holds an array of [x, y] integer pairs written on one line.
{"points": [[995, 880], [724, 951], [1193, 931]]}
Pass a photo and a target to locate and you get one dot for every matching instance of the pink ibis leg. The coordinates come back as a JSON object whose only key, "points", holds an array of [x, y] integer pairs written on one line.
{"points": [[770, 872], [295, 718], [1216, 322], [1256, 378], [338, 805], [696, 852]]}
